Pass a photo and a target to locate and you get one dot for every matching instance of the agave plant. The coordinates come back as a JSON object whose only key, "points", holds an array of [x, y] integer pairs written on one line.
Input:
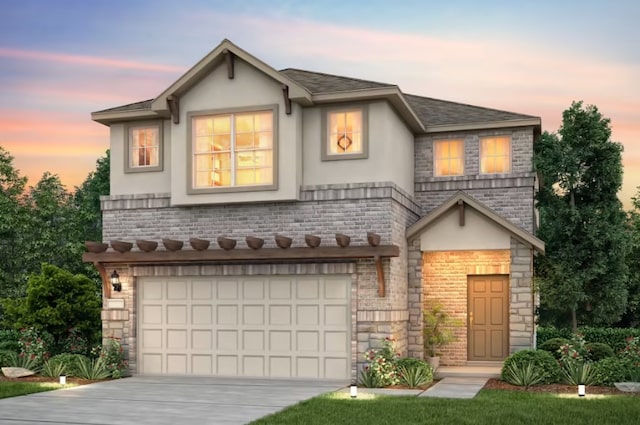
{"points": [[523, 374]]}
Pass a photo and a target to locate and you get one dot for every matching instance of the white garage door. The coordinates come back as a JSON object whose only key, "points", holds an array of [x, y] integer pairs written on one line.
{"points": [[285, 326]]}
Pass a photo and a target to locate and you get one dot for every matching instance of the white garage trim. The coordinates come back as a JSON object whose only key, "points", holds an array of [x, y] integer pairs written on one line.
{"points": [[274, 326]]}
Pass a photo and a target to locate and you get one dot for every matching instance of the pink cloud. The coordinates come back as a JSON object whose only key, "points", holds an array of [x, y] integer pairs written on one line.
{"points": [[93, 61]]}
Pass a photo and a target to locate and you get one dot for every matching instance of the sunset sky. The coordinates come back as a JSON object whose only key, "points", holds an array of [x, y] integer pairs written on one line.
{"points": [[62, 59]]}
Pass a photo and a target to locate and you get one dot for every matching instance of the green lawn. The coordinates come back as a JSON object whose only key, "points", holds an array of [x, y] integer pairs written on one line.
{"points": [[13, 389], [491, 407]]}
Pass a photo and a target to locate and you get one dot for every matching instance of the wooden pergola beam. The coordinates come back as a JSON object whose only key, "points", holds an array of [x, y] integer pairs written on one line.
{"points": [[333, 253], [245, 254]]}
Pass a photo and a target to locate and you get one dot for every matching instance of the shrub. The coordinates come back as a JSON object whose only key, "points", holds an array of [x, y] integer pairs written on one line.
{"points": [[35, 344], [522, 374], [382, 362], [70, 362], [52, 369], [578, 373], [598, 351], [614, 337], [113, 356], [9, 336], [553, 346], [56, 300], [92, 369], [610, 370], [75, 343], [10, 346], [23, 361], [4, 357], [542, 360], [631, 351], [415, 374], [410, 362], [369, 379]]}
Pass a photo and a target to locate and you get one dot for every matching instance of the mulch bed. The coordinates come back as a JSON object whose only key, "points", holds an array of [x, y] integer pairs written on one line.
{"points": [[38, 378], [496, 384]]}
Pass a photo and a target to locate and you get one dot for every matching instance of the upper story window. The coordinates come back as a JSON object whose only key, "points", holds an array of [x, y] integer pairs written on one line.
{"points": [[448, 158], [344, 133], [233, 150], [495, 155], [144, 147]]}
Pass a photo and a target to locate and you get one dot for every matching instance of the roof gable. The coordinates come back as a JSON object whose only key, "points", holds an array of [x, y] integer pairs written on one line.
{"points": [[522, 235], [215, 58]]}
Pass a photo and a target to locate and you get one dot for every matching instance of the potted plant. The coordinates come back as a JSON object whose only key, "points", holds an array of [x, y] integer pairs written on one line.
{"points": [[437, 332]]}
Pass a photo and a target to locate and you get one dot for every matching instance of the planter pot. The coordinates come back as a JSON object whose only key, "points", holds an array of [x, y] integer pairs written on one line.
{"points": [[342, 240], [373, 239], [434, 362], [199, 244], [283, 241], [172, 245], [226, 243], [312, 241], [121, 246], [96, 247], [254, 243], [146, 246], [628, 387]]}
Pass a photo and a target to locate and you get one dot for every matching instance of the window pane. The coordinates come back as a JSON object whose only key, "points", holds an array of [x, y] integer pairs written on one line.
{"points": [[263, 139], [221, 161], [264, 175], [221, 142], [245, 177], [244, 123], [263, 121], [354, 121], [245, 159], [203, 126], [222, 124], [203, 144], [204, 162], [263, 158], [244, 141], [144, 143], [344, 132]]}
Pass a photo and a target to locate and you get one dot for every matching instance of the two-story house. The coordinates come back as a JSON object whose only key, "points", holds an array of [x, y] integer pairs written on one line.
{"points": [[436, 197]]}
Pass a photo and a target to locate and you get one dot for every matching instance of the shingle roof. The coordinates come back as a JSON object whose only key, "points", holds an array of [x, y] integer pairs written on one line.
{"points": [[441, 112], [318, 82], [137, 106], [430, 111]]}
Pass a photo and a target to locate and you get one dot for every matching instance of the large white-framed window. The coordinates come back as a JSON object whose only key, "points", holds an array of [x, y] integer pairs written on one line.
{"points": [[448, 158], [495, 155], [233, 150], [143, 151], [344, 133]]}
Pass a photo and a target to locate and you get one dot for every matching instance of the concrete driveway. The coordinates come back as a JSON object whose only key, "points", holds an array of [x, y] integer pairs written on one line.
{"points": [[162, 400]]}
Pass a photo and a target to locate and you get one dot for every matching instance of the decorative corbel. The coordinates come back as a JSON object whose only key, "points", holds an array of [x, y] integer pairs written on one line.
{"points": [[106, 283], [230, 60], [461, 212], [380, 273], [173, 102], [287, 101]]}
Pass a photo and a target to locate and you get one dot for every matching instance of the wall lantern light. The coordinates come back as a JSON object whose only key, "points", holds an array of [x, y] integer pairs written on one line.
{"points": [[115, 281]]}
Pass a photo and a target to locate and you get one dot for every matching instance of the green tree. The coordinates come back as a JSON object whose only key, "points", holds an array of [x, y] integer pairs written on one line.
{"points": [[583, 276], [12, 226], [631, 317], [87, 199], [56, 301]]}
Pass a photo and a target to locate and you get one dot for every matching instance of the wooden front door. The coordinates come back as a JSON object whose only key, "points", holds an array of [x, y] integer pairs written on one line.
{"points": [[488, 318]]}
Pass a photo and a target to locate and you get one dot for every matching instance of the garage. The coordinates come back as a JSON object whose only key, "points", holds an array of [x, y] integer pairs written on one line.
{"points": [[258, 326]]}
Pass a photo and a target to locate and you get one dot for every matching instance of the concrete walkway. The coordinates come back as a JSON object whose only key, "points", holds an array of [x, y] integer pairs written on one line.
{"points": [[466, 387]]}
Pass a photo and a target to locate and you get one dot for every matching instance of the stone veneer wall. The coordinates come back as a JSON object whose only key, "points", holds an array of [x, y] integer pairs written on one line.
{"points": [[445, 281], [324, 210]]}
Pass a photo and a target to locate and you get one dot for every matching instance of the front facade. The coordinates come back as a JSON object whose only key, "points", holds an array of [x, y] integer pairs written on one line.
{"points": [[436, 198]]}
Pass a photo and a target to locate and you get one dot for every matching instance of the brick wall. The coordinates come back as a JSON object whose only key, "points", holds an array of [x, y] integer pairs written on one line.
{"points": [[445, 281], [510, 195]]}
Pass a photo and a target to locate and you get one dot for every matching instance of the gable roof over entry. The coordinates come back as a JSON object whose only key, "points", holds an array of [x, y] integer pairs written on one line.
{"points": [[425, 222]]}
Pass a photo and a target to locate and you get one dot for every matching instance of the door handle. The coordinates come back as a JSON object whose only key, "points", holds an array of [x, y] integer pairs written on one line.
{"points": [[471, 318]]}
